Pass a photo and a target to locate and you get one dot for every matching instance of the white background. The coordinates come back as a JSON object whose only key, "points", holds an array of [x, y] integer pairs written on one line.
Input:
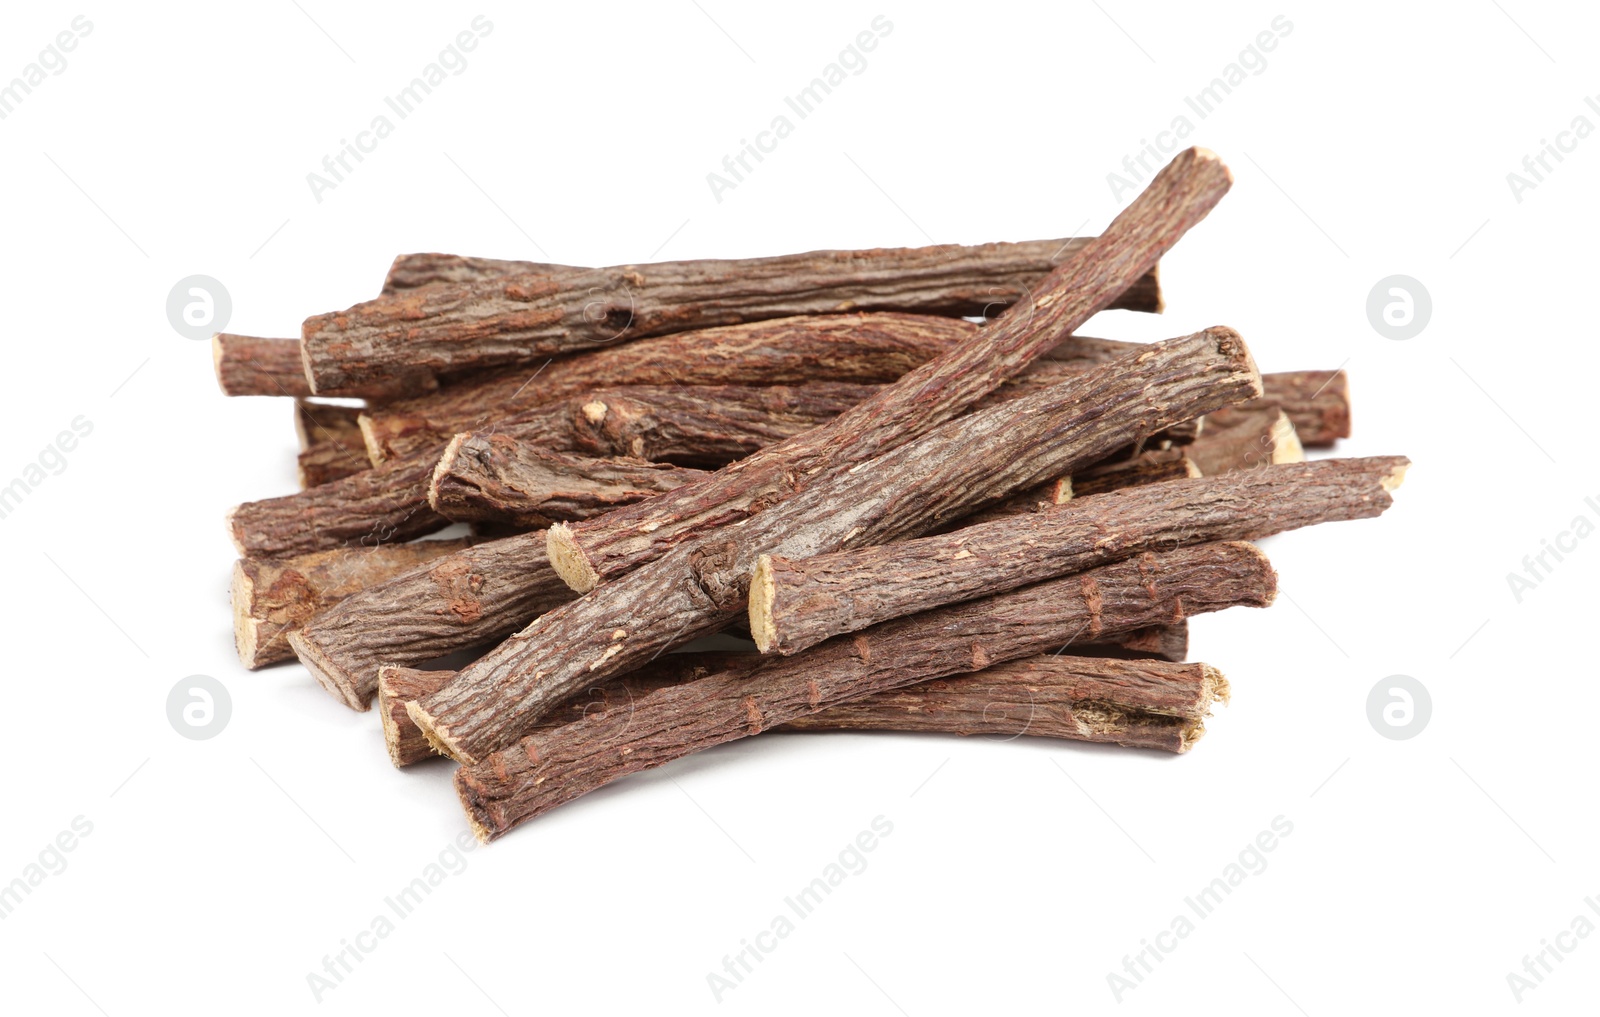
{"points": [[1376, 141]]}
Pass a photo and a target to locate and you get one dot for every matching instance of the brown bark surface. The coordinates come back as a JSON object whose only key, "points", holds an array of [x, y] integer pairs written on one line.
{"points": [[253, 366], [273, 597], [413, 271], [331, 446], [1151, 467], [865, 348], [1317, 402], [1177, 198], [798, 603], [708, 425], [547, 769], [497, 477], [1136, 703], [1242, 439], [453, 328], [470, 598], [945, 474]]}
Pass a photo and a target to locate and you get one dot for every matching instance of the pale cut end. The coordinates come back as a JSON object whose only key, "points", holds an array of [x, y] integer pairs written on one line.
{"points": [[438, 737], [391, 730], [1286, 447], [1161, 296], [763, 628], [1188, 734], [1214, 687], [476, 819], [216, 362], [339, 683], [370, 438], [234, 533], [1191, 469], [246, 629], [447, 462], [305, 363], [1396, 476], [1061, 491], [568, 559]]}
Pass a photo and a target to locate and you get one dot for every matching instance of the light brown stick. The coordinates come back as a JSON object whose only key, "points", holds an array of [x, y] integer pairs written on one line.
{"points": [[252, 366]]}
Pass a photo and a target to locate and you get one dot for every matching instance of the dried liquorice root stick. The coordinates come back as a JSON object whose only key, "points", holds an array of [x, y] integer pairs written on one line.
{"points": [[1137, 703], [1152, 467], [795, 604], [273, 597], [252, 366], [549, 768], [470, 598], [454, 328], [1177, 198], [497, 477], [867, 348], [1237, 439], [1317, 402], [943, 475], [413, 271], [331, 446], [708, 425], [1145, 704]]}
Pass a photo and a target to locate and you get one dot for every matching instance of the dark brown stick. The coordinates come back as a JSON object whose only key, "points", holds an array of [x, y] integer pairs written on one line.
{"points": [[1144, 468], [272, 598], [1136, 703], [706, 426], [796, 604], [500, 478], [454, 328], [866, 348], [945, 474], [252, 366], [1177, 198], [1241, 439], [466, 599], [549, 768]]}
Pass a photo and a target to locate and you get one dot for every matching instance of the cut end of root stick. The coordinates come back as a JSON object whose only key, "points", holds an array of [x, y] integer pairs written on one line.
{"points": [[216, 362], [234, 535], [1232, 345], [1214, 687], [447, 462], [369, 438], [246, 629], [568, 559], [1396, 476], [1286, 447], [340, 684], [763, 628], [476, 817], [438, 737]]}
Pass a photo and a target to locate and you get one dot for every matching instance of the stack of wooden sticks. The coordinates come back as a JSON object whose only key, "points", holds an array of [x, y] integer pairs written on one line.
{"points": [[898, 471]]}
